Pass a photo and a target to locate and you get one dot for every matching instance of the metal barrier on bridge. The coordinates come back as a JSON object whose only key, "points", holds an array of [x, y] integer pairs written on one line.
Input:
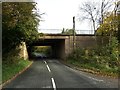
{"points": [[59, 31]]}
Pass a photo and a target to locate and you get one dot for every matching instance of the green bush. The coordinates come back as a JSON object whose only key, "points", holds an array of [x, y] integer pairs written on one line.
{"points": [[42, 49], [104, 58], [77, 55], [11, 57]]}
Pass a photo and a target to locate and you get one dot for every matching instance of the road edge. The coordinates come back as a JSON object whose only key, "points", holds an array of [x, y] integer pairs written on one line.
{"points": [[86, 70], [8, 81]]}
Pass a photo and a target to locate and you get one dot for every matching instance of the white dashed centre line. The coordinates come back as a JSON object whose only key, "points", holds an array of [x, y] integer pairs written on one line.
{"points": [[45, 62], [53, 83], [48, 68]]}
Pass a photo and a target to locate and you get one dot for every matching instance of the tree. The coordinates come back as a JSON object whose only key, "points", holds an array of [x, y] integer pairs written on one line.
{"points": [[93, 11], [63, 30], [105, 5], [19, 23], [109, 26], [88, 8], [68, 31]]}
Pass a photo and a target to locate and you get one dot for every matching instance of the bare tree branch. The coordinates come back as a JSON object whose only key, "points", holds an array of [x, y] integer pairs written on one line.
{"points": [[94, 11]]}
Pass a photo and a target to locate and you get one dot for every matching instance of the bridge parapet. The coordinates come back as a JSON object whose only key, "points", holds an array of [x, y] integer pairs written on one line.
{"points": [[59, 31], [53, 37]]}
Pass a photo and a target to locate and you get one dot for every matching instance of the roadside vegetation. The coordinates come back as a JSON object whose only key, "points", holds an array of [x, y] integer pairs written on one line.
{"points": [[10, 70], [68, 31], [41, 50], [19, 24], [12, 64], [104, 57]]}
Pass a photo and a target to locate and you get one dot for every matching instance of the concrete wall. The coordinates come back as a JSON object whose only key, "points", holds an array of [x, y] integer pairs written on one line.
{"points": [[68, 45], [85, 41], [80, 42], [91, 41], [62, 46], [23, 51]]}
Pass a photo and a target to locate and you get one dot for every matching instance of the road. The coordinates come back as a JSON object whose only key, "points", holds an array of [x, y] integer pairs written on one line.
{"points": [[53, 74]]}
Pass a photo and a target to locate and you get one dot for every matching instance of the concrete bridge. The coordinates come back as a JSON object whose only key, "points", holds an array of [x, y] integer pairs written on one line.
{"points": [[62, 45]]}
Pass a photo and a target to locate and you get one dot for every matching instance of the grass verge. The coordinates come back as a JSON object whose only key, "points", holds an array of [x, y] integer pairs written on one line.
{"points": [[92, 68], [10, 70]]}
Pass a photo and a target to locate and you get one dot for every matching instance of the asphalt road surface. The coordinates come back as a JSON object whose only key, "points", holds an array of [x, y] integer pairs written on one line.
{"points": [[53, 74]]}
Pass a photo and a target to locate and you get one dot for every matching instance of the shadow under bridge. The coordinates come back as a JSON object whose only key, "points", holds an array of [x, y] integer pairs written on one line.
{"points": [[57, 47]]}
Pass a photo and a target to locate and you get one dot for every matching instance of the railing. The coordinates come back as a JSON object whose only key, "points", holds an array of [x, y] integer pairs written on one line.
{"points": [[51, 31], [59, 31], [84, 31]]}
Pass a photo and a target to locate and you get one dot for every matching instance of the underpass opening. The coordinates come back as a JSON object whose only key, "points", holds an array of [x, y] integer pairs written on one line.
{"points": [[56, 48], [41, 52]]}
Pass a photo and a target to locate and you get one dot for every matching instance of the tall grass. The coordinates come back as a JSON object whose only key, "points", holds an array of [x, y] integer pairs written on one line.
{"points": [[9, 70], [12, 64]]}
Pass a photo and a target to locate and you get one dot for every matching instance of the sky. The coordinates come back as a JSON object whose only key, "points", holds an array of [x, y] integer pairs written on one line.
{"points": [[59, 14]]}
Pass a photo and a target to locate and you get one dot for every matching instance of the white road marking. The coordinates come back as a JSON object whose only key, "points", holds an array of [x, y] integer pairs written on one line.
{"points": [[47, 87], [53, 83], [95, 79], [48, 68], [45, 62]]}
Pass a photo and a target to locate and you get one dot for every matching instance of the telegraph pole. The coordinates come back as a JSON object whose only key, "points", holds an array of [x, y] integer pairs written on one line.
{"points": [[74, 33]]}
